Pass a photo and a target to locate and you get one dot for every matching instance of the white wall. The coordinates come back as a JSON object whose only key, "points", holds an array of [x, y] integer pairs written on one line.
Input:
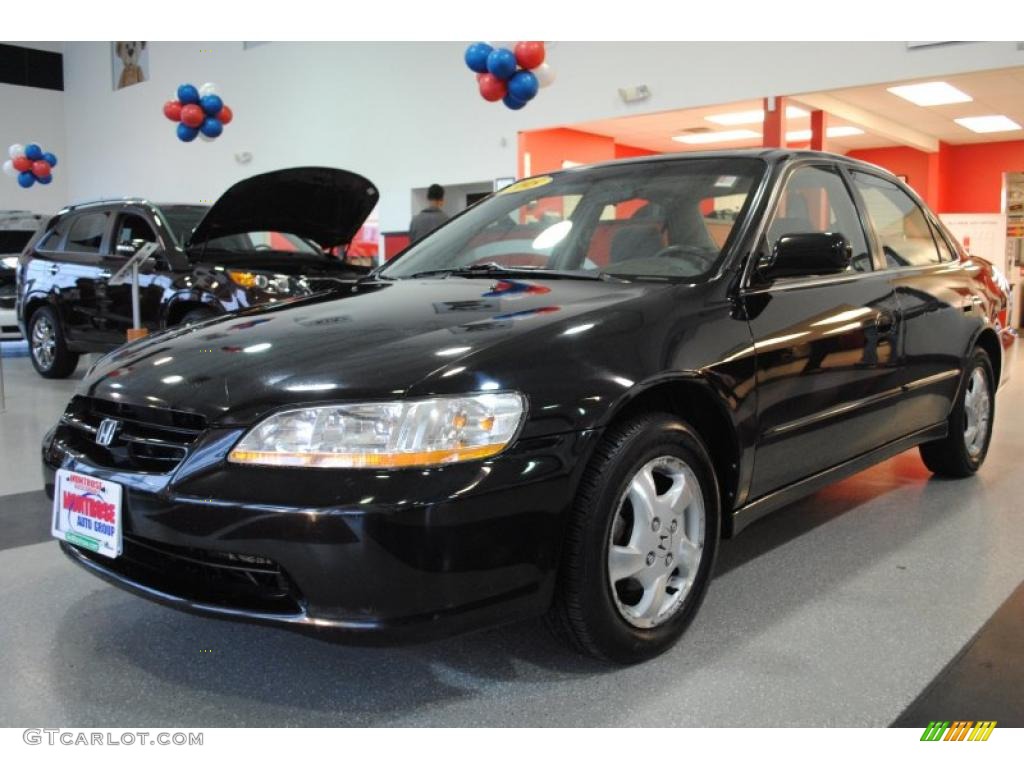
{"points": [[406, 114], [33, 115]]}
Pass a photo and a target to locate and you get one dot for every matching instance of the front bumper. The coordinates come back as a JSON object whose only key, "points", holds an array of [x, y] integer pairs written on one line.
{"points": [[369, 554]]}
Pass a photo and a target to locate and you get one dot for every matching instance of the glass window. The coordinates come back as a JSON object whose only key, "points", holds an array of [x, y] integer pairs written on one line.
{"points": [[666, 219], [902, 228], [816, 199], [946, 252], [133, 231], [86, 235]]}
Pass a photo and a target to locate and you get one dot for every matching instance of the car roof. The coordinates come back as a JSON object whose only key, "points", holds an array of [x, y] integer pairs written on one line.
{"points": [[125, 202]]}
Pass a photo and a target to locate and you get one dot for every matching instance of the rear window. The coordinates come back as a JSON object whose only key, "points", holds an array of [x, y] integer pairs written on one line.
{"points": [[86, 235], [14, 240]]}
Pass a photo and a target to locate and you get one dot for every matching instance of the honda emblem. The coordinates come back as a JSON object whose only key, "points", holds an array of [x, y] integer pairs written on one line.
{"points": [[106, 431]]}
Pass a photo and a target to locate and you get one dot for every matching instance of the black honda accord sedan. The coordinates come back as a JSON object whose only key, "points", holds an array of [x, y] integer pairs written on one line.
{"points": [[558, 404]]}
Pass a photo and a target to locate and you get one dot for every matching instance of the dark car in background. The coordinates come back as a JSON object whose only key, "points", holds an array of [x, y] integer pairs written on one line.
{"points": [[16, 229], [557, 403], [264, 240]]}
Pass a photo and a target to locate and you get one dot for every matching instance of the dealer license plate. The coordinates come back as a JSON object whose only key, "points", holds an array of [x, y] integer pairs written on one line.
{"points": [[87, 512]]}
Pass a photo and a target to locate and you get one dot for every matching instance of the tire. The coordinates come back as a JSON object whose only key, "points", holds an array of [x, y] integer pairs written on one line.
{"points": [[619, 622], [50, 355], [963, 450], [197, 315]]}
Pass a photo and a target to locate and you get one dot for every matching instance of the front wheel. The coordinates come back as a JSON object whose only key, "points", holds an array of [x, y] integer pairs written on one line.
{"points": [[50, 354], [962, 451], [641, 541]]}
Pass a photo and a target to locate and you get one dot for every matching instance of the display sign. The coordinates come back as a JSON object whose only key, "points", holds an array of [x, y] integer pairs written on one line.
{"points": [[87, 512]]}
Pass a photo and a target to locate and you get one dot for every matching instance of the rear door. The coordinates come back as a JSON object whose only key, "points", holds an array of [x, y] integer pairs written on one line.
{"points": [[75, 274], [827, 379], [941, 308]]}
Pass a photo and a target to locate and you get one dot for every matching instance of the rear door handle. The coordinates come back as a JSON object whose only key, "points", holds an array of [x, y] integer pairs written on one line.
{"points": [[969, 304], [105, 274]]}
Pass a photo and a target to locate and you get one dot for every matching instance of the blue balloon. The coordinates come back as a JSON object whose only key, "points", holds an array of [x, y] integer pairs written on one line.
{"points": [[212, 127], [476, 57], [211, 104], [26, 179], [44, 179], [513, 103], [185, 133], [523, 85], [188, 94], [50, 158], [33, 152], [501, 63]]}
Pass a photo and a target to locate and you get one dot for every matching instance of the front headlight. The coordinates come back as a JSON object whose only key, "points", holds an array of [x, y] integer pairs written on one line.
{"points": [[412, 433], [276, 284]]}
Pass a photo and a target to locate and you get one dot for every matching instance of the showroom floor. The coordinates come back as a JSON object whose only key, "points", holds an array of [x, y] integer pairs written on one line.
{"points": [[859, 606]]}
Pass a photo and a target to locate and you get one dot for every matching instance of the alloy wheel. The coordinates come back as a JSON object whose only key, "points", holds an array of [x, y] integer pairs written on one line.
{"points": [[44, 342], [977, 408], [656, 542]]}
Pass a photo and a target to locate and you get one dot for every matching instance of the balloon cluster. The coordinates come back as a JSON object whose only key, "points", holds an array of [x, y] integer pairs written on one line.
{"points": [[198, 112], [511, 75], [29, 164]]}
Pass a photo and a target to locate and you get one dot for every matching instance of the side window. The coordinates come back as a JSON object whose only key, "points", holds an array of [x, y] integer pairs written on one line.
{"points": [[815, 199], [133, 231], [903, 230], [86, 235], [52, 240], [946, 253]]}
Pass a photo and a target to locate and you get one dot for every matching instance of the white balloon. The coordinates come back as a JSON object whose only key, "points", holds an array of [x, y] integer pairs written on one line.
{"points": [[545, 75], [206, 89], [204, 137], [15, 149], [9, 168]]}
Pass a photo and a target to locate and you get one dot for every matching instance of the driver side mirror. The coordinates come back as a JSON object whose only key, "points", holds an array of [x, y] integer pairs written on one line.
{"points": [[806, 254]]}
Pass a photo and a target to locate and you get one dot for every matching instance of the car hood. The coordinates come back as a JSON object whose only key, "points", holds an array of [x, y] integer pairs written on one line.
{"points": [[381, 341], [326, 205]]}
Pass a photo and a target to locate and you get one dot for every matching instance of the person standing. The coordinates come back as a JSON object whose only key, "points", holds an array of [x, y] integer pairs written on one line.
{"points": [[431, 217]]}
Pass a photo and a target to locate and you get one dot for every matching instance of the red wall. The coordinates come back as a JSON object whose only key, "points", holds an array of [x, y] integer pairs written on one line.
{"points": [[625, 150], [964, 178], [549, 149]]}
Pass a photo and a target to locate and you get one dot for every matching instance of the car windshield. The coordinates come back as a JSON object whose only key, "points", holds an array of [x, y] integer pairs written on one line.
{"points": [[667, 219], [183, 219]]}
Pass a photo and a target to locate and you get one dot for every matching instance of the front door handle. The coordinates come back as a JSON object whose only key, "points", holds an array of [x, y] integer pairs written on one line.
{"points": [[54, 269], [885, 323], [105, 274]]}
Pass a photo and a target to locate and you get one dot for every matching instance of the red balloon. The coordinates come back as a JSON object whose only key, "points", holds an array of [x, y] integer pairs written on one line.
{"points": [[225, 115], [192, 115], [40, 169], [492, 88], [172, 110], [529, 54], [22, 163]]}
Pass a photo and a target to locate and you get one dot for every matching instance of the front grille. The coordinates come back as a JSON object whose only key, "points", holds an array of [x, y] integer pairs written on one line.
{"points": [[225, 579], [148, 439]]}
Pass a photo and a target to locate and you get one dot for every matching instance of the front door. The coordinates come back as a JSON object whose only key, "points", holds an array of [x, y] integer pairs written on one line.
{"points": [[827, 373]]}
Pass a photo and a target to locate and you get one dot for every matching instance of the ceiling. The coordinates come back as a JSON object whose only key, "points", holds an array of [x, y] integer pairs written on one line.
{"points": [[886, 118]]}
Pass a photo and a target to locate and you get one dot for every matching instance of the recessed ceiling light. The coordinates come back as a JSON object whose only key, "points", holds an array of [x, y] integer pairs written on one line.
{"points": [[987, 123], [752, 116], [930, 94], [834, 132], [717, 137]]}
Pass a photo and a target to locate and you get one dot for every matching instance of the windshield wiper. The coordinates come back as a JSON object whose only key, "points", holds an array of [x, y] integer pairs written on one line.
{"points": [[491, 269]]}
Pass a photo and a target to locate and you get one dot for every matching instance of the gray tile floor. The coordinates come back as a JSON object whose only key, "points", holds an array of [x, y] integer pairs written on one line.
{"points": [[838, 610]]}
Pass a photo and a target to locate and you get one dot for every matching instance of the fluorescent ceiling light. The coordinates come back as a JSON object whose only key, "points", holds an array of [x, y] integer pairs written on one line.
{"points": [[717, 137], [835, 132], [930, 94], [752, 116], [987, 123]]}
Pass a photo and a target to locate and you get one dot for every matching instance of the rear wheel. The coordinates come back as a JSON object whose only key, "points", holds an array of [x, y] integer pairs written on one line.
{"points": [[50, 355], [641, 542], [963, 450]]}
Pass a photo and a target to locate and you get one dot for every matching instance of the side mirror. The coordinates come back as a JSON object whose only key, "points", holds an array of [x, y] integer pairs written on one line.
{"points": [[806, 254]]}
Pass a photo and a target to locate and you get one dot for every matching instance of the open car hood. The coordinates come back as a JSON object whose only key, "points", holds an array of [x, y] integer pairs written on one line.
{"points": [[326, 205]]}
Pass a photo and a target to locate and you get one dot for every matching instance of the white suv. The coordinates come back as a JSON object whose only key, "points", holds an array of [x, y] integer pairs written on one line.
{"points": [[16, 229]]}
